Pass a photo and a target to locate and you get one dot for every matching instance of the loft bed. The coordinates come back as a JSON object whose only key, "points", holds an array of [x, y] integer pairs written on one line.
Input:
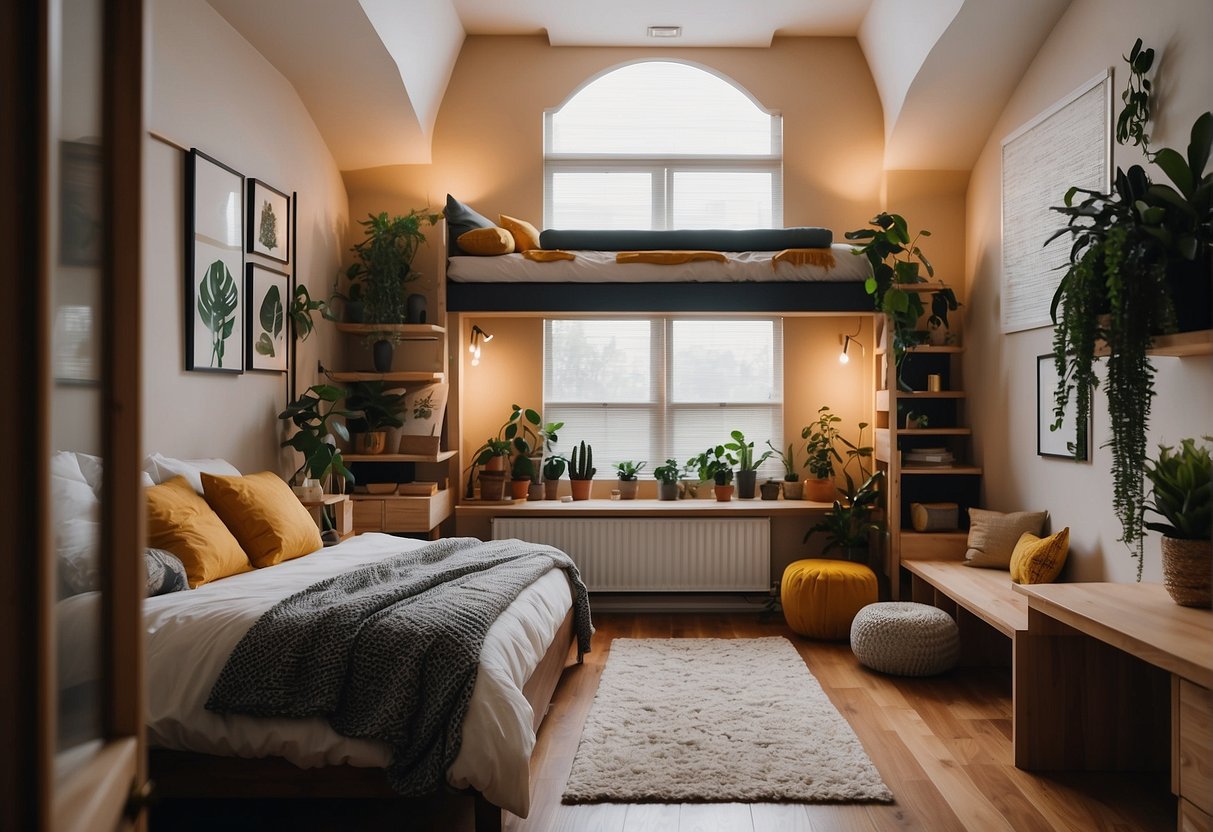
{"points": [[757, 270]]}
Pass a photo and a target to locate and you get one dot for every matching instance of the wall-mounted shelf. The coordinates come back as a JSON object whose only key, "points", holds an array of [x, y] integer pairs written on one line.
{"points": [[943, 470], [1179, 345], [394, 376], [441, 456], [405, 332], [935, 431]]}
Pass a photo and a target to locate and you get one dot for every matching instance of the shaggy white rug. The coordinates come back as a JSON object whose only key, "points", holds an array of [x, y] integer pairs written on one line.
{"points": [[721, 720]]}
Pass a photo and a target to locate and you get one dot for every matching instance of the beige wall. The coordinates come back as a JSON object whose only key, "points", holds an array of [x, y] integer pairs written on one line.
{"points": [[1091, 36], [208, 88]]}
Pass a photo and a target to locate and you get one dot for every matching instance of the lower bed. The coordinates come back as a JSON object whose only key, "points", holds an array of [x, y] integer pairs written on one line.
{"points": [[191, 634]]}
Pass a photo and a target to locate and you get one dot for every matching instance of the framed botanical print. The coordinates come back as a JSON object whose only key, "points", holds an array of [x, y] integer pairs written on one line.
{"points": [[214, 257], [1070, 439], [268, 295], [269, 221]]}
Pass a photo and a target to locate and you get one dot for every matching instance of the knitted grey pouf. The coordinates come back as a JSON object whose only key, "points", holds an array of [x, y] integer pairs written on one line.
{"points": [[905, 639]]}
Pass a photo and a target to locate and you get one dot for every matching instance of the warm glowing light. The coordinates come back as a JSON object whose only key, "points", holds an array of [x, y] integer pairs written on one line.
{"points": [[843, 358]]}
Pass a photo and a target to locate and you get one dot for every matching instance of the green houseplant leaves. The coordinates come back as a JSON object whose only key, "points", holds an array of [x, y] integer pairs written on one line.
{"points": [[217, 299], [272, 318]]}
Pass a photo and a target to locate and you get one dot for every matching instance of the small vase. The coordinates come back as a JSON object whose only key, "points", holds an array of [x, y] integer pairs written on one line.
{"points": [[551, 489], [819, 490], [371, 442], [667, 490], [1187, 571], [519, 488], [724, 493], [937, 336], [746, 481], [381, 355], [793, 490], [492, 485], [581, 489], [770, 490], [628, 489], [414, 309]]}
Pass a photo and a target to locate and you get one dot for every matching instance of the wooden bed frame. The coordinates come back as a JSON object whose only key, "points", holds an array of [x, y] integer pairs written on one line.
{"points": [[184, 774]]}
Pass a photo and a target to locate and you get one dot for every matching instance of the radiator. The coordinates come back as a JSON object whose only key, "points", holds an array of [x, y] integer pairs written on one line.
{"points": [[656, 555]]}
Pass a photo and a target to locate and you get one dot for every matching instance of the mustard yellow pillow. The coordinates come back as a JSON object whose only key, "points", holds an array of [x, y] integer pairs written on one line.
{"points": [[1039, 560], [486, 242], [821, 257], [526, 236], [264, 515], [670, 257], [992, 535], [181, 522]]}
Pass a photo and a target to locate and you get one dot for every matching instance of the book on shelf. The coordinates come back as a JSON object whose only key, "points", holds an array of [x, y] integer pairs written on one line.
{"points": [[923, 458]]}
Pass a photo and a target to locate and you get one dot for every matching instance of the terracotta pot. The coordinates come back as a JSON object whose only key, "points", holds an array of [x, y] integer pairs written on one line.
{"points": [[819, 491], [581, 488], [628, 489], [495, 463], [371, 442], [667, 491], [770, 490], [519, 488], [746, 481], [551, 489], [1187, 571], [793, 490], [723, 493], [492, 484]]}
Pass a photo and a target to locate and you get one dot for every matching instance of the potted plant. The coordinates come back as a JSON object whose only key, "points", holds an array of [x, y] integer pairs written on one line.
{"points": [[301, 309], [1180, 492], [553, 470], [377, 409], [522, 471], [769, 490], [790, 477], [747, 465], [628, 484], [489, 459], [384, 266], [720, 468], [1139, 256], [850, 520], [581, 471], [667, 480], [895, 258], [316, 429], [821, 454], [697, 467]]}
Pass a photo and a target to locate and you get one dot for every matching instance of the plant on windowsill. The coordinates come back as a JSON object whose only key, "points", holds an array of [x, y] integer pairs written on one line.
{"points": [[553, 470], [582, 471], [850, 520], [522, 472], [747, 465], [1140, 257], [628, 484], [895, 258], [376, 409], [667, 480], [317, 431], [1180, 488], [489, 460], [821, 454], [793, 488], [698, 468], [720, 469]]}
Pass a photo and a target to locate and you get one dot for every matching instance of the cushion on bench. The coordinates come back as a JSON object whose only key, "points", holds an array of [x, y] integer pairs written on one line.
{"points": [[700, 239]]}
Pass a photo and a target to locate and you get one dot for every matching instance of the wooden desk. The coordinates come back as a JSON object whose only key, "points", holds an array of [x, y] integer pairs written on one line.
{"points": [[1117, 677]]}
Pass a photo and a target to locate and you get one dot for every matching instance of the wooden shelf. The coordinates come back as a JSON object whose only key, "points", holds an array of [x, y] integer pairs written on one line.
{"points": [[944, 470], [441, 456], [934, 431], [1180, 345], [944, 349], [406, 332], [394, 376], [932, 394], [932, 545]]}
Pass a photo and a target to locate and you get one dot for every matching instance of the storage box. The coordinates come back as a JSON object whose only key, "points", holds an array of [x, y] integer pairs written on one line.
{"points": [[934, 517]]}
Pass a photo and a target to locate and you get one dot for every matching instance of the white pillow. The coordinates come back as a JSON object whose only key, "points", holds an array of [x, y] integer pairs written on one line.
{"points": [[162, 468]]}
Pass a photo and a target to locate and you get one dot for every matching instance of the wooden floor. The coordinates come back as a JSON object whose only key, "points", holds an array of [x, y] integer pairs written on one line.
{"points": [[943, 746]]}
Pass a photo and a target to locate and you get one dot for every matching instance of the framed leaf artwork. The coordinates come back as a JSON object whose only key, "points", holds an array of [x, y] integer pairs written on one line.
{"points": [[268, 295], [214, 258], [269, 221]]}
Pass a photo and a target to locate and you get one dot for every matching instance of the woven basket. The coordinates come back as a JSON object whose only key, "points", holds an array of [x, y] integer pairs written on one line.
{"points": [[1187, 571]]}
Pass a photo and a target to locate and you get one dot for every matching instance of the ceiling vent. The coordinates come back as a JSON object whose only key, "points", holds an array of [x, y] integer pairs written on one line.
{"points": [[665, 31]]}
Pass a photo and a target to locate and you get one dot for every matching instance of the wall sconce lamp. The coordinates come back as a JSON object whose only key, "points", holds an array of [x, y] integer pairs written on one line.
{"points": [[479, 337], [846, 341]]}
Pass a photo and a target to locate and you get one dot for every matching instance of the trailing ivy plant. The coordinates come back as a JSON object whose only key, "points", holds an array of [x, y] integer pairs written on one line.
{"points": [[1117, 287]]}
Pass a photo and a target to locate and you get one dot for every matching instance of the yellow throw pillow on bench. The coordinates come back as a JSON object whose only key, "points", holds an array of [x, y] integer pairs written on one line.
{"points": [[526, 236], [1039, 560], [264, 515], [486, 242]]}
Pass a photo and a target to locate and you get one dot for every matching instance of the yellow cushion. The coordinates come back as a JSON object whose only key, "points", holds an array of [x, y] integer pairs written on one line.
{"points": [[548, 255], [486, 242], [526, 236], [820, 597], [992, 535], [1039, 560], [264, 515], [822, 257], [668, 257], [180, 521]]}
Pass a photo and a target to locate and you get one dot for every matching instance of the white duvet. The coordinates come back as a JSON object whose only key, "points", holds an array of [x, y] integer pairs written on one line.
{"points": [[600, 267], [190, 635]]}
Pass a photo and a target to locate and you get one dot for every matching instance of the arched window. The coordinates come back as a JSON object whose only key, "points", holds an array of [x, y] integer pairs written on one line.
{"points": [[659, 144]]}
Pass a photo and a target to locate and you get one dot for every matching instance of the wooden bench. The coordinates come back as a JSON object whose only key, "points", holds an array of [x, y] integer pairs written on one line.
{"points": [[988, 611]]}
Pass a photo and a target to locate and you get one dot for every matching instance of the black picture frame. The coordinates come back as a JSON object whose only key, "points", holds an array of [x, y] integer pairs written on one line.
{"points": [[1071, 441], [214, 265], [269, 222], [267, 319]]}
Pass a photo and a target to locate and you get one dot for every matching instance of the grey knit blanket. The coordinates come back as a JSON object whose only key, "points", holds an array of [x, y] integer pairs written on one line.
{"points": [[390, 651]]}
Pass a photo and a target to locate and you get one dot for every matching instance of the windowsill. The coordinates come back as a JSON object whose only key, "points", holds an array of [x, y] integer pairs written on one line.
{"points": [[642, 508]]}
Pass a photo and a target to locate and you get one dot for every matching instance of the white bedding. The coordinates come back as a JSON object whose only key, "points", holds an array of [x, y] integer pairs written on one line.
{"points": [[600, 267], [190, 635]]}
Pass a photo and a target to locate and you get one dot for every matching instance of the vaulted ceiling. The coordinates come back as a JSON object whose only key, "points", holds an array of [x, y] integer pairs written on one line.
{"points": [[373, 72]]}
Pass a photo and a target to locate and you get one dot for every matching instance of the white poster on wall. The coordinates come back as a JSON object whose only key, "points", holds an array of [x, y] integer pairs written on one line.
{"points": [[1069, 144]]}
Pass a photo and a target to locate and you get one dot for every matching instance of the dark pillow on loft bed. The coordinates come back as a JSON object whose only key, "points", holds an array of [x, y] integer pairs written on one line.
{"points": [[693, 239], [459, 220], [165, 572]]}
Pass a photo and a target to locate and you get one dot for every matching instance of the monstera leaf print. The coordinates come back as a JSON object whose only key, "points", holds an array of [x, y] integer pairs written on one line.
{"points": [[271, 316], [217, 300]]}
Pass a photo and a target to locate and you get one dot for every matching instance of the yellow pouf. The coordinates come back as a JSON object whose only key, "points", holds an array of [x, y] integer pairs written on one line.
{"points": [[821, 597]]}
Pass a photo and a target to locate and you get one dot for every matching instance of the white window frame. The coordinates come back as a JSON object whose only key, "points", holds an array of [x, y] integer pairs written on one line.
{"points": [[661, 360]]}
